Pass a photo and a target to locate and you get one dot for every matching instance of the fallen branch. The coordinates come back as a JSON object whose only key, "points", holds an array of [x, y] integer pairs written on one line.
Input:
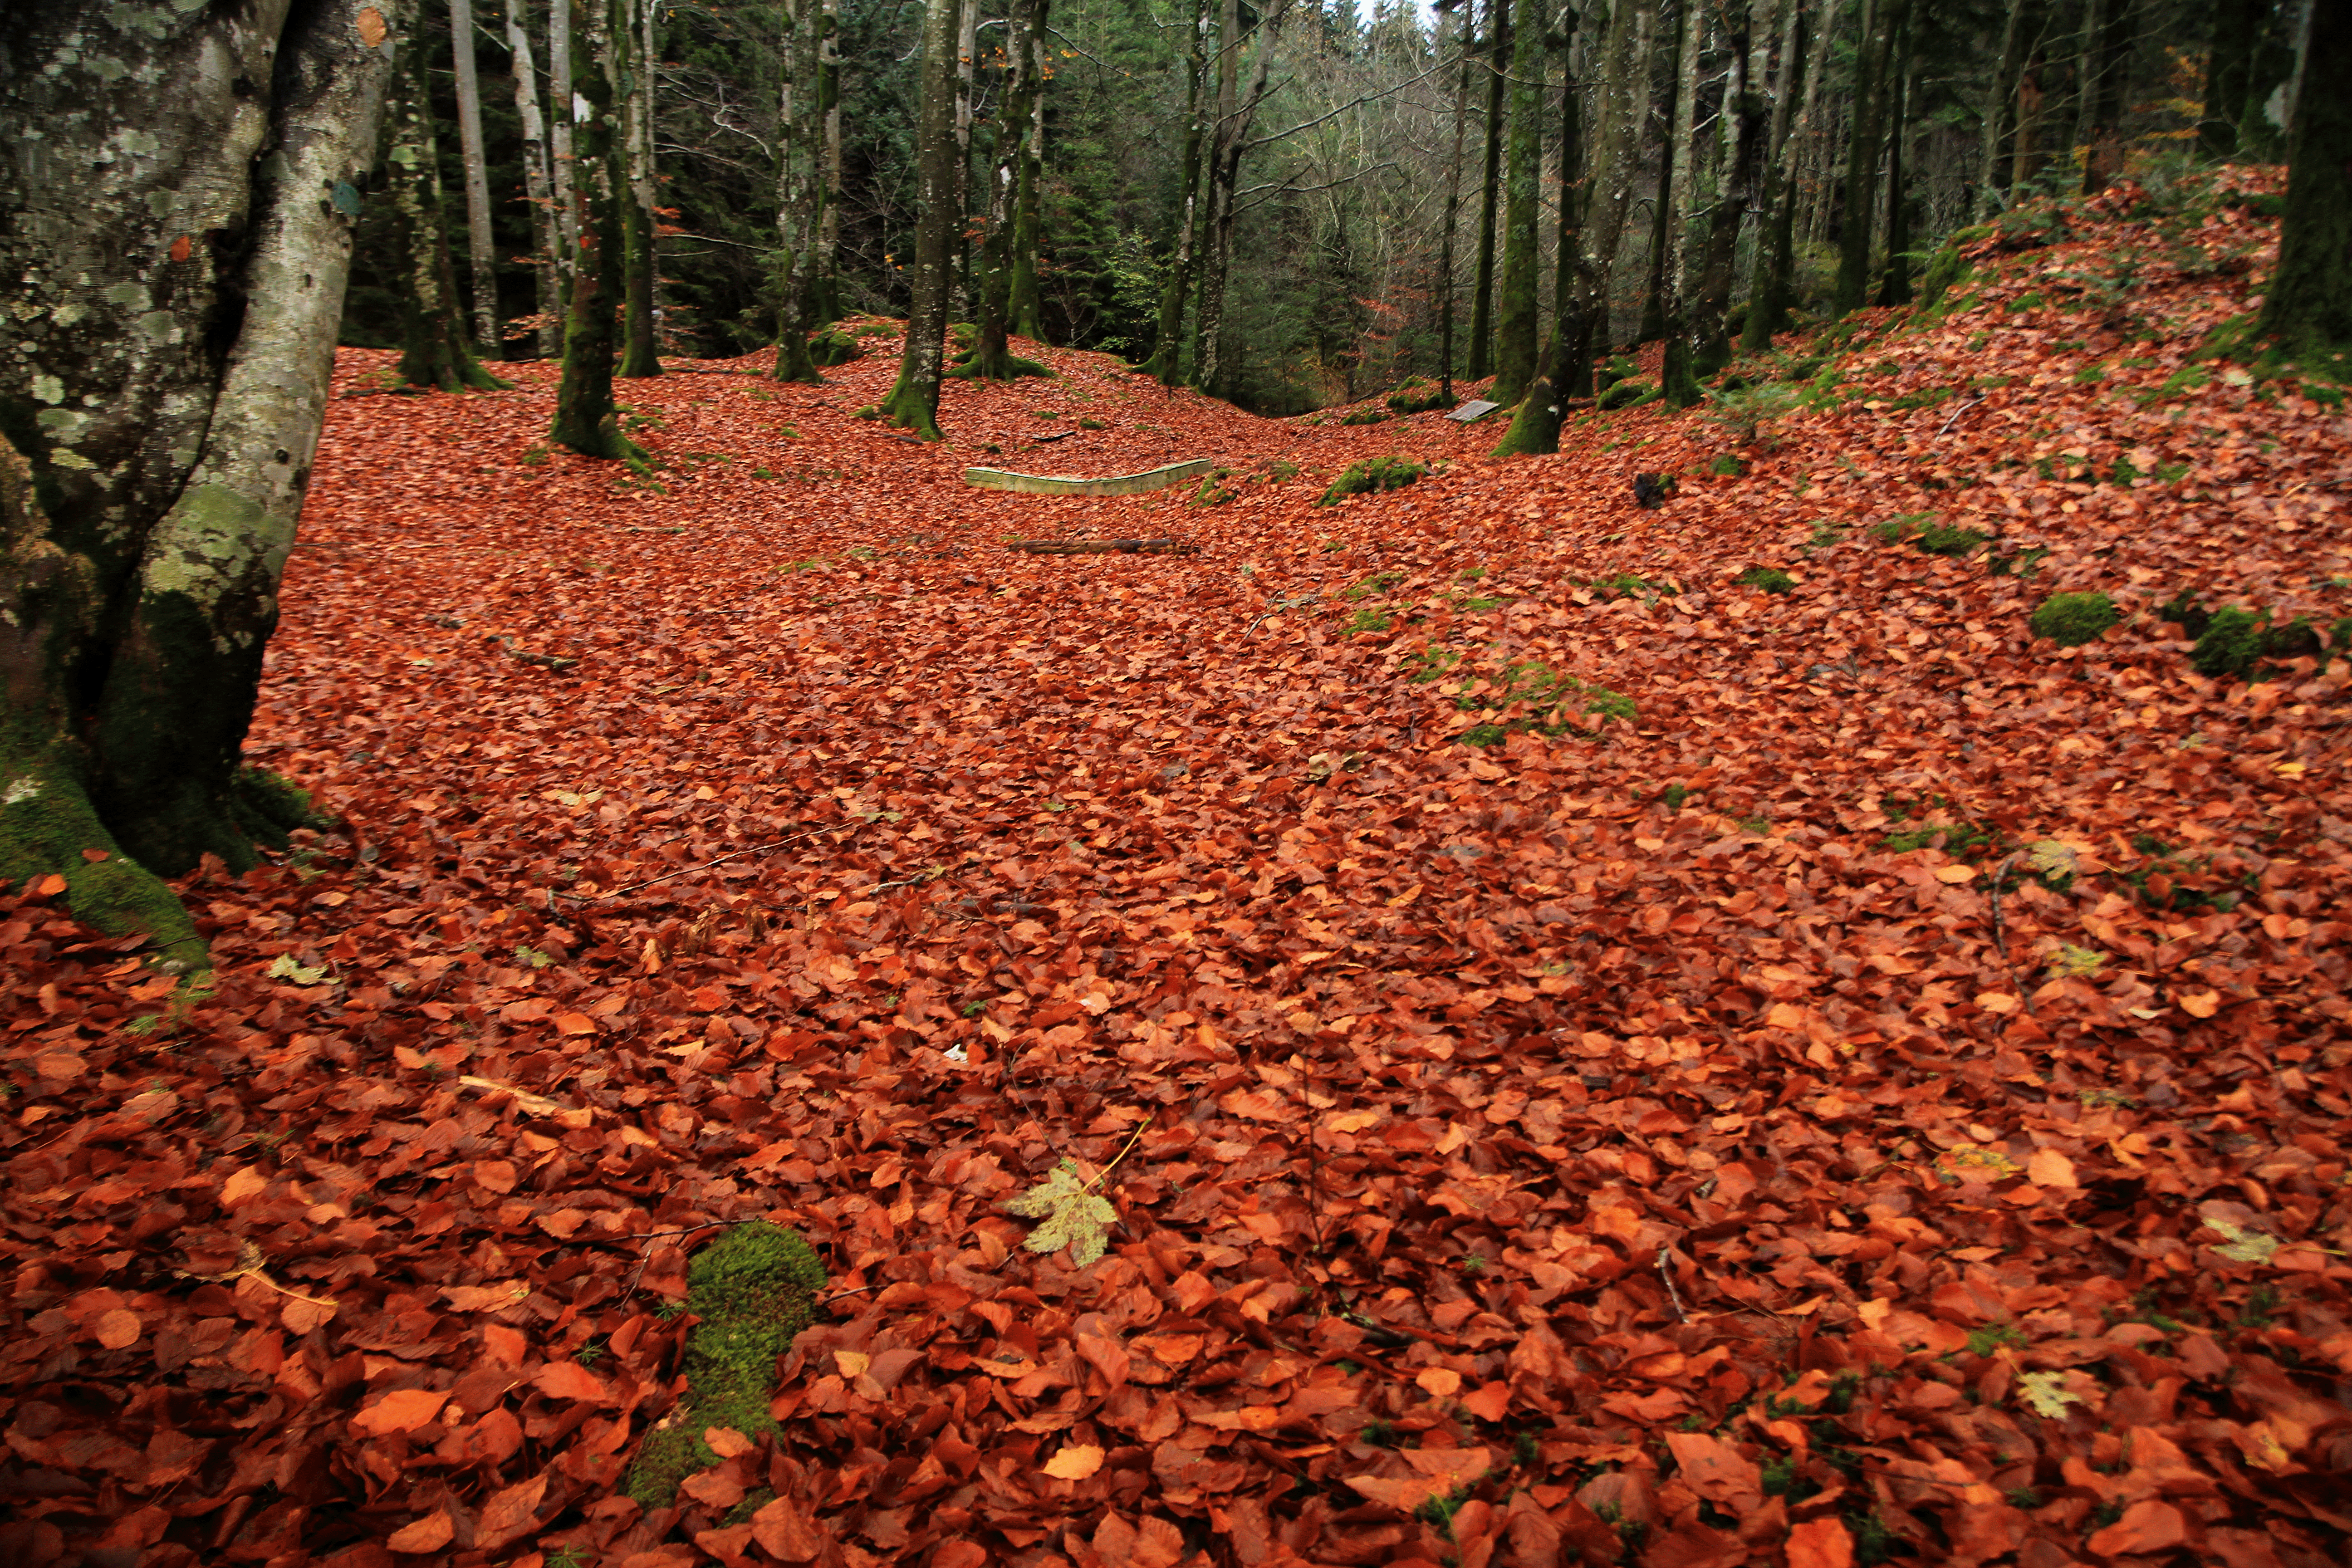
{"points": [[249, 1262], [1104, 547]]}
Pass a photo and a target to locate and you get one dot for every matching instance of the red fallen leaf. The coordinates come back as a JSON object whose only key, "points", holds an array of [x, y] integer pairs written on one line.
{"points": [[959, 1553], [48, 887], [509, 1513], [181, 248], [785, 1531], [242, 1187], [1718, 1471], [1820, 1543], [2147, 1526], [713, 1488], [569, 1379], [119, 1330], [1152, 1542], [726, 1442], [430, 1533], [574, 1024], [99, 856], [402, 1410], [1488, 1402], [1404, 1493]]}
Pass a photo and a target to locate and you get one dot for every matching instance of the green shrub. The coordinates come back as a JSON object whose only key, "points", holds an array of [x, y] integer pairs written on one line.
{"points": [[1772, 579], [1725, 466], [2070, 620], [2231, 643], [1371, 477], [1625, 393]]}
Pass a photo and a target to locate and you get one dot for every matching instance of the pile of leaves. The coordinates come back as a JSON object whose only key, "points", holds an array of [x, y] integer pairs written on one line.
{"points": [[1875, 1088]]}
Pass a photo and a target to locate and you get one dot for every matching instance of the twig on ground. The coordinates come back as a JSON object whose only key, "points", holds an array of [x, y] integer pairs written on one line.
{"points": [[1122, 1154], [249, 1261], [1672, 1294], [1963, 408]]}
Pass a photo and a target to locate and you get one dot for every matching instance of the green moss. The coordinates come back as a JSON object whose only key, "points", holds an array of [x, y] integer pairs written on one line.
{"points": [[1418, 397], [1371, 476], [1771, 579], [1943, 538], [1549, 704], [2231, 643], [832, 346], [2070, 620], [1944, 268], [1626, 393], [754, 1290], [1366, 417], [46, 821]]}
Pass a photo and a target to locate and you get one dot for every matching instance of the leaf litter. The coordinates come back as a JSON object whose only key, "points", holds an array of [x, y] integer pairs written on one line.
{"points": [[1709, 1126]]}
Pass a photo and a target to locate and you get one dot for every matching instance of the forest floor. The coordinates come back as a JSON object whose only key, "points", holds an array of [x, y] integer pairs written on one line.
{"points": [[1834, 1078]]}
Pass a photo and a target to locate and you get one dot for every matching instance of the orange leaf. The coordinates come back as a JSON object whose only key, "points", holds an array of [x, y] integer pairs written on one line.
{"points": [[1443, 1381], [1820, 1543], [119, 1329], [1488, 1402], [402, 1410], [2200, 1005], [49, 886], [430, 1533], [370, 23], [1075, 1462], [2049, 1168], [2148, 1526], [569, 1380], [1955, 873], [574, 1024]]}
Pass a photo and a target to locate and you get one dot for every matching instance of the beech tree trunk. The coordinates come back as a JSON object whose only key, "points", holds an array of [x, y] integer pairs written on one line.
{"points": [[1166, 362], [1768, 289], [481, 257], [1236, 115], [539, 185], [962, 289], [1741, 127], [2307, 310], [2105, 96], [2229, 65], [585, 417], [826, 286], [1516, 329], [436, 347], [914, 402], [991, 356], [152, 466], [1895, 283], [1684, 202], [1881, 21], [1535, 428], [1028, 298], [1445, 285], [563, 92], [1998, 111], [798, 188], [633, 54], [1482, 290], [1671, 154]]}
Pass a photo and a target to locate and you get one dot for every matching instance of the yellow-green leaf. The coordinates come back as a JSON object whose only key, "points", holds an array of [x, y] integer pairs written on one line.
{"points": [[2046, 1392], [1074, 1218]]}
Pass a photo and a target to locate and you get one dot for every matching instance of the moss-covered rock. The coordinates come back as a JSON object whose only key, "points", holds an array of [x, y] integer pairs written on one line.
{"points": [[2070, 620], [754, 1290], [1625, 393], [1373, 476], [832, 346], [2231, 643]]}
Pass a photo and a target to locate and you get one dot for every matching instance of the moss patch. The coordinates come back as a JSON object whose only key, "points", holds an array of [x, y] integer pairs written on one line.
{"points": [[2070, 620], [46, 823], [754, 1290]]}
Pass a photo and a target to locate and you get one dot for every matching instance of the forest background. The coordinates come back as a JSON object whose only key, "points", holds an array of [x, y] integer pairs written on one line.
{"points": [[1381, 166]]}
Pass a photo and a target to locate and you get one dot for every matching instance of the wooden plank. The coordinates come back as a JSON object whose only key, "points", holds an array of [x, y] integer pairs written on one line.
{"points": [[1112, 485]]}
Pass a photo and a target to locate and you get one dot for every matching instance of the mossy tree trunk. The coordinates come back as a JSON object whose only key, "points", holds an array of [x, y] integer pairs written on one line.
{"points": [[2229, 65], [481, 255], [1880, 19], [825, 284], [914, 402], [1028, 231], [633, 54], [584, 415], [1236, 114], [1167, 362], [1742, 124], [152, 469], [1895, 283], [991, 356], [2106, 94], [1685, 208], [1535, 428], [1446, 284], [1653, 324], [1482, 288], [1768, 288], [1517, 327], [2307, 310], [1998, 110], [798, 187], [539, 184], [435, 351]]}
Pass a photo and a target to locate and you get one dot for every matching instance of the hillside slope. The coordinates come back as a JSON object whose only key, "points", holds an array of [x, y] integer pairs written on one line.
{"points": [[1592, 1060]]}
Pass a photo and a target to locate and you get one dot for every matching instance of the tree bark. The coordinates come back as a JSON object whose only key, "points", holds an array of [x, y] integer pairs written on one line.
{"points": [[1517, 327], [2104, 99], [1231, 141], [565, 95], [584, 415], [1482, 290], [914, 402], [1881, 21], [436, 350], [1767, 298], [1684, 202], [1895, 283], [633, 54], [962, 287], [1742, 124], [152, 466], [1535, 428], [2229, 65], [481, 255], [1028, 297], [798, 178], [1653, 299], [1166, 364], [1997, 109], [1445, 285], [826, 287], [992, 358], [539, 185], [2307, 310]]}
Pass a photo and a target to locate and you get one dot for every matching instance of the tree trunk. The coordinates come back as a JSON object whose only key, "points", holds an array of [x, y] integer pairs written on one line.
{"points": [[961, 290], [564, 94], [1996, 118], [1517, 327], [1535, 426], [481, 255], [991, 357], [1684, 208], [2307, 310], [1482, 290], [797, 188], [2229, 65], [539, 185], [1653, 299], [1881, 21], [585, 417], [1445, 286], [826, 307], [435, 350], [633, 51], [1767, 300], [2025, 151], [914, 402], [1894, 284], [2103, 114], [145, 524], [1166, 362], [1743, 122], [1028, 297], [1226, 149]]}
